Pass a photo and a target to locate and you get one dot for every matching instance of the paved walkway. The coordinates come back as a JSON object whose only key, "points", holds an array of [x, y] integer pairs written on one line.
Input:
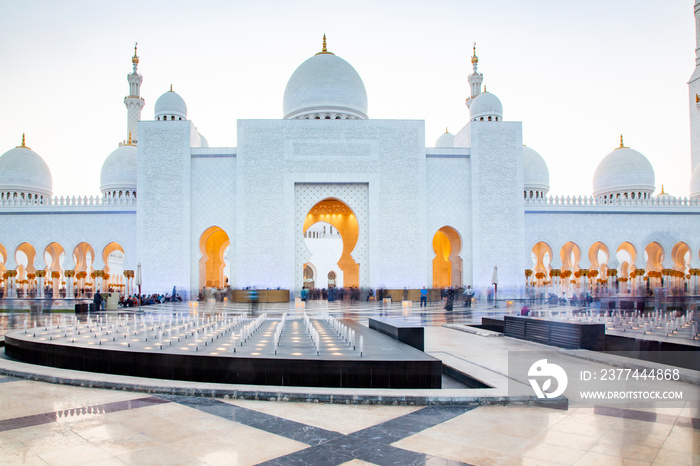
{"points": [[54, 423]]}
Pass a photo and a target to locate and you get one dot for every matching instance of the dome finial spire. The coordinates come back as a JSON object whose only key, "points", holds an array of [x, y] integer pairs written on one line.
{"points": [[135, 58], [23, 144], [324, 50], [475, 59], [621, 143], [662, 190], [171, 88]]}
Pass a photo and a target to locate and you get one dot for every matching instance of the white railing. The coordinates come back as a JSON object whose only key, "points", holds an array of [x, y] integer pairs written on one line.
{"points": [[583, 201], [69, 201]]}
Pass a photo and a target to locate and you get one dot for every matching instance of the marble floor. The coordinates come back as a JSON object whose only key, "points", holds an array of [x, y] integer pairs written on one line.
{"points": [[57, 424], [43, 423]]}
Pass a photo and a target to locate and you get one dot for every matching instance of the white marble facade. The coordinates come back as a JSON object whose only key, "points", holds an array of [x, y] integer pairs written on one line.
{"points": [[260, 190]]}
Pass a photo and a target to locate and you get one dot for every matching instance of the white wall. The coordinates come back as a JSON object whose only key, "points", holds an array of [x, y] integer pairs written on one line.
{"points": [[449, 203], [386, 156], [163, 219]]}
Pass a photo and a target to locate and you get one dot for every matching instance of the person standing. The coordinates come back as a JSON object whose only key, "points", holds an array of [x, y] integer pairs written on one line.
{"points": [[449, 299], [468, 295], [423, 297], [97, 300]]}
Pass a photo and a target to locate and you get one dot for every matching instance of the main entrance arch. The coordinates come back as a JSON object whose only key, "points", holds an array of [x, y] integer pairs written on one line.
{"points": [[338, 215], [213, 245], [355, 197]]}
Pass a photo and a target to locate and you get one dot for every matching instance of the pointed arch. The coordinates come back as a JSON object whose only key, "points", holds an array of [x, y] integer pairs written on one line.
{"points": [[447, 264], [83, 257], [570, 254], [212, 244], [341, 217], [681, 256], [542, 257], [654, 256], [113, 257], [626, 255], [24, 258]]}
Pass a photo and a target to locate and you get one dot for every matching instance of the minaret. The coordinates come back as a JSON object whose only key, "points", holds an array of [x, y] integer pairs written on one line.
{"points": [[694, 97], [134, 103], [475, 79]]}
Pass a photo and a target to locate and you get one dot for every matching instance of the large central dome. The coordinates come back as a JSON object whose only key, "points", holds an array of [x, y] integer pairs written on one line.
{"points": [[325, 87]]}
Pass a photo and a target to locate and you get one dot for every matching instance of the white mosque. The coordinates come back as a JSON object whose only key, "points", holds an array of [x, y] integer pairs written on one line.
{"points": [[327, 196]]}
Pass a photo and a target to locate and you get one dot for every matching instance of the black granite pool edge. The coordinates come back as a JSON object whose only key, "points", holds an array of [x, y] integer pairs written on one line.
{"points": [[267, 393]]}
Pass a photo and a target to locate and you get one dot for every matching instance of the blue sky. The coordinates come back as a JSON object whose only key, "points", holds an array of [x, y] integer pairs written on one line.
{"points": [[576, 74]]}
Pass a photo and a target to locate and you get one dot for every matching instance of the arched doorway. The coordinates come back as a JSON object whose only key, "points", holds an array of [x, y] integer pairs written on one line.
{"points": [[341, 222], [654, 256], [598, 255], [24, 258], [309, 274], [541, 256], [83, 258], [681, 257], [113, 258], [570, 254], [54, 255], [681, 266], [213, 244], [447, 264]]}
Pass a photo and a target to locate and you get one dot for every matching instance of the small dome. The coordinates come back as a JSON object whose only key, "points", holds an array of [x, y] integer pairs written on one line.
{"points": [[486, 105], [119, 170], [624, 172], [170, 105], [24, 171], [326, 86], [446, 140], [535, 171], [695, 183]]}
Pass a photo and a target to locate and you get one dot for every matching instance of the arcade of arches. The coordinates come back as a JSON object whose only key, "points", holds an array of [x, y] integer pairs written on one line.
{"points": [[447, 264], [54, 278], [341, 217], [624, 269]]}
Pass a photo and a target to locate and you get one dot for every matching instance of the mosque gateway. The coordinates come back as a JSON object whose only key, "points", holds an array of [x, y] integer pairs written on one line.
{"points": [[328, 197]]}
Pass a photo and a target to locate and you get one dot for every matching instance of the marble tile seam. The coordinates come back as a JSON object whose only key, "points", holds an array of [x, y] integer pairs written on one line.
{"points": [[104, 408], [273, 424], [373, 444]]}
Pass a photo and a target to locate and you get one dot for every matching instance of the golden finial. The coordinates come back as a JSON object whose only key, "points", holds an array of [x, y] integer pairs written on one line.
{"points": [[621, 143], [23, 145], [135, 58], [325, 48], [662, 190], [475, 59], [484, 87], [171, 88], [446, 130], [129, 141]]}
